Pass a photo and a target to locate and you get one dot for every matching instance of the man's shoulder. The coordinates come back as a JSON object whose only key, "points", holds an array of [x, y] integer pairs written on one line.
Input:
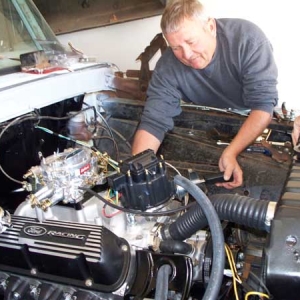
{"points": [[167, 56], [235, 22], [236, 27], [167, 61]]}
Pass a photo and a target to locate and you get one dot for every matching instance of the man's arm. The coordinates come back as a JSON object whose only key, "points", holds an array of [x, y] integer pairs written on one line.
{"points": [[296, 131], [253, 126], [144, 140]]}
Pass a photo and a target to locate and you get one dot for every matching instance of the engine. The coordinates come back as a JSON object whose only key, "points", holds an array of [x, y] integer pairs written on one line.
{"points": [[59, 233], [94, 227]]}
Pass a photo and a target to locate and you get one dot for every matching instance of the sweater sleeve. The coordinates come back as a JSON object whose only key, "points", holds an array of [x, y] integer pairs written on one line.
{"points": [[260, 78], [163, 102]]}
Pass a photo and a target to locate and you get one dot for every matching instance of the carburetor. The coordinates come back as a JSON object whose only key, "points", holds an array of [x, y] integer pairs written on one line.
{"points": [[60, 175]]}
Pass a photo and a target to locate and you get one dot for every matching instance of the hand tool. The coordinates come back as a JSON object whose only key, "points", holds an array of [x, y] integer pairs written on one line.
{"points": [[210, 178]]}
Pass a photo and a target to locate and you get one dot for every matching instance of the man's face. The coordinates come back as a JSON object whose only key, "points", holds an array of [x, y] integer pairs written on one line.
{"points": [[194, 43]]}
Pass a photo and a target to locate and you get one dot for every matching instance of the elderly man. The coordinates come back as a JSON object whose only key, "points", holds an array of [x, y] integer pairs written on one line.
{"points": [[224, 63]]}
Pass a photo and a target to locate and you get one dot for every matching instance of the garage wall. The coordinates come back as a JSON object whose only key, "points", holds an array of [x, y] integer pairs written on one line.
{"points": [[122, 43]]}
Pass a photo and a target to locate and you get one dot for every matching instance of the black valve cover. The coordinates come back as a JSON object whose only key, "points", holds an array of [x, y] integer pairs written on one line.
{"points": [[83, 255]]}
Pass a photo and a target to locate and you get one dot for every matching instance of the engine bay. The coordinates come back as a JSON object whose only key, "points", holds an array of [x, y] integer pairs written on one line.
{"points": [[81, 218]]}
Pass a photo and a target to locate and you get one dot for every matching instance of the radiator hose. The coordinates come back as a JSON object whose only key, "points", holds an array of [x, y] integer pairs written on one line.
{"points": [[172, 246], [216, 277], [241, 210], [163, 275]]}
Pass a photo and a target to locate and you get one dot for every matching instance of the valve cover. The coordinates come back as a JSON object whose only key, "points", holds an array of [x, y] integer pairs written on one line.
{"points": [[83, 255]]}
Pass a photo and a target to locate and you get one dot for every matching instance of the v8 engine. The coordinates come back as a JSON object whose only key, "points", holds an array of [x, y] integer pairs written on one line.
{"points": [[95, 228], [91, 221]]}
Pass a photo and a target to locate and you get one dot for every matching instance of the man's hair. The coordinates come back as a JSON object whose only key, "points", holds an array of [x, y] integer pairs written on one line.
{"points": [[178, 10]]}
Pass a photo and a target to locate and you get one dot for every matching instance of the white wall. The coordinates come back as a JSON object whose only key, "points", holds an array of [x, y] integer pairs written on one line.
{"points": [[122, 43]]}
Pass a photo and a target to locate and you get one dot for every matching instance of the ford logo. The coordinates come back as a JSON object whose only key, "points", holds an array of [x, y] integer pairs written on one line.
{"points": [[35, 230]]}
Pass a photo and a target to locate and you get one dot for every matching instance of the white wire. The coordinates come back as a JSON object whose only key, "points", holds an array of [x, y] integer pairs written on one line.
{"points": [[171, 166]]}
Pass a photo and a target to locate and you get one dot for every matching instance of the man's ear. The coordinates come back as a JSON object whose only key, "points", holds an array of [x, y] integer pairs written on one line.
{"points": [[211, 26]]}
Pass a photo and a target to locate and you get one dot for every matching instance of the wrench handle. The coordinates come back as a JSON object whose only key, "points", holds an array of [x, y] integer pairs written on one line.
{"points": [[217, 177]]}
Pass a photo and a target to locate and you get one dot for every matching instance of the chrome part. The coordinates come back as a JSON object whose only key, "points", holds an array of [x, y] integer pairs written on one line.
{"points": [[270, 213], [5, 220], [59, 177]]}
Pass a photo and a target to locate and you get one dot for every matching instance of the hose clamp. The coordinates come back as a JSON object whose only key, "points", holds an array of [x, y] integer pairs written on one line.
{"points": [[270, 213]]}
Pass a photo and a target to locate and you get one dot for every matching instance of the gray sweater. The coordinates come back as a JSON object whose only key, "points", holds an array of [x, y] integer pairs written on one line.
{"points": [[241, 75]]}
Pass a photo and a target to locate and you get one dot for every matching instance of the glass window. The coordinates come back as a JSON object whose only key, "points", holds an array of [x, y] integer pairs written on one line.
{"points": [[23, 30]]}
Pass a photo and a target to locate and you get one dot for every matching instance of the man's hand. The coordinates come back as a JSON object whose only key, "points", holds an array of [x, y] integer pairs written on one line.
{"points": [[296, 131], [229, 165], [253, 126]]}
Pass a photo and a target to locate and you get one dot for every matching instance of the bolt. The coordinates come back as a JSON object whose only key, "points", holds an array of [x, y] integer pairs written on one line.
{"points": [[291, 240], [239, 265], [33, 291], [33, 271], [16, 295], [3, 284], [241, 256], [89, 282], [67, 296], [124, 248]]}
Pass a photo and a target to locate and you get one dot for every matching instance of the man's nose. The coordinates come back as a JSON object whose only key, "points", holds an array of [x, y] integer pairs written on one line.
{"points": [[187, 52]]}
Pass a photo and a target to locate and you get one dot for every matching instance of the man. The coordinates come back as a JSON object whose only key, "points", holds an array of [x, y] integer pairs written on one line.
{"points": [[224, 63], [296, 131]]}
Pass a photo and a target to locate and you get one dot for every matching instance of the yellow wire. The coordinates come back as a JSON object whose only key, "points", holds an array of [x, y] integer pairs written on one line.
{"points": [[228, 251], [108, 198], [231, 258], [107, 194], [234, 265], [117, 198], [236, 277], [256, 294]]}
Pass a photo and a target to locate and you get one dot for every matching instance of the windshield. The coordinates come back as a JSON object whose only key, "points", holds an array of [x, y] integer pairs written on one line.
{"points": [[23, 30]]}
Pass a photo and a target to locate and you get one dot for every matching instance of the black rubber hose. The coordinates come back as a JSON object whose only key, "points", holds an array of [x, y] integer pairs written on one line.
{"points": [[216, 276], [162, 282], [171, 246], [241, 210]]}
